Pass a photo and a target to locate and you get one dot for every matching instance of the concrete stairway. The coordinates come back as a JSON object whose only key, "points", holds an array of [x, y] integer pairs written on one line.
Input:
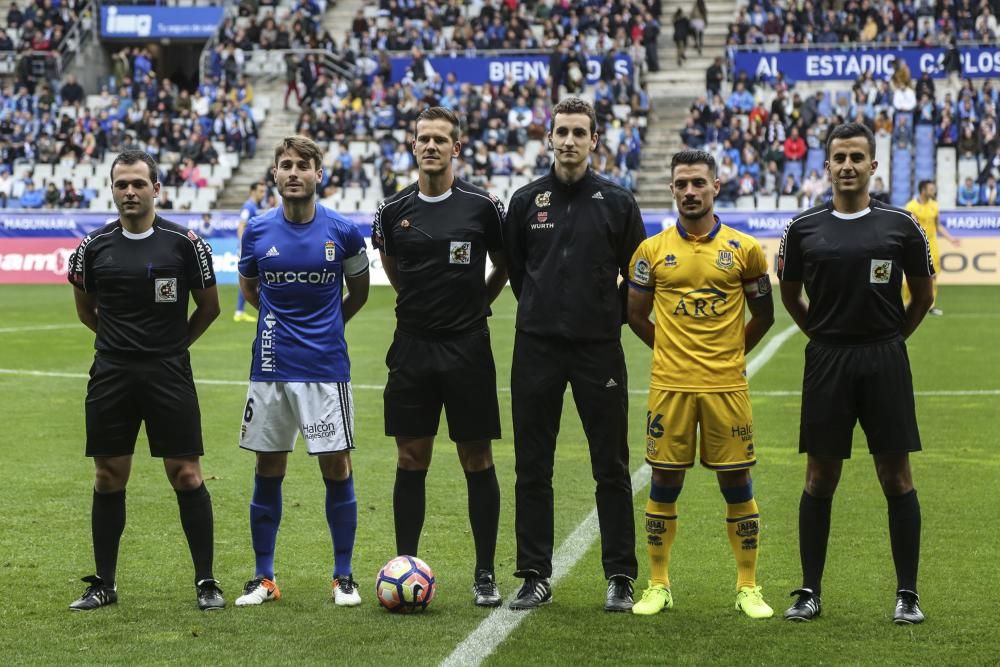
{"points": [[276, 126], [672, 90]]}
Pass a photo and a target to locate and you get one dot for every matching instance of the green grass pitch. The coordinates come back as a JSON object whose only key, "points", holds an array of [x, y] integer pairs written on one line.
{"points": [[45, 533]]}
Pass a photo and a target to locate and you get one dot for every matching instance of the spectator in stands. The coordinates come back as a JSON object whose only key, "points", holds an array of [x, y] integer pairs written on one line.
{"points": [[789, 187], [969, 145], [71, 91], [714, 77], [51, 197], [812, 190], [989, 196], [946, 132], [968, 193], [795, 146], [740, 100], [902, 135], [32, 197], [699, 19], [164, 202], [878, 190], [191, 175], [682, 30], [6, 186]]}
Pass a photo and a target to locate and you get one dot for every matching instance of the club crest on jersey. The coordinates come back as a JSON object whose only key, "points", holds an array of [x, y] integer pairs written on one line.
{"points": [[166, 290], [543, 216], [881, 271], [670, 260], [191, 235], [330, 249], [460, 252], [725, 260], [543, 199]]}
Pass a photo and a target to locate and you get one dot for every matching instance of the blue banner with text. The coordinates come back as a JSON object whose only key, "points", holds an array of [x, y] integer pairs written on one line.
{"points": [[144, 22]]}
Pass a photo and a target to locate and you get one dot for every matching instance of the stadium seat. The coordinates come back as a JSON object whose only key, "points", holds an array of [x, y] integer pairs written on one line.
{"points": [[746, 203], [788, 203], [815, 159], [793, 168]]}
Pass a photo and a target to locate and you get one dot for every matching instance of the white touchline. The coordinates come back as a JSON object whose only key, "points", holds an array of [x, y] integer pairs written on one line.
{"points": [[39, 327], [501, 622], [23, 372]]}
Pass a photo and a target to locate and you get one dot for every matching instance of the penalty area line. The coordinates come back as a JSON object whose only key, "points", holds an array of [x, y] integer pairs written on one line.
{"points": [[501, 622]]}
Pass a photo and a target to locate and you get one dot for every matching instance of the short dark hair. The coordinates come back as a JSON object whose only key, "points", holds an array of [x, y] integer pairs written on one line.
{"points": [[849, 131], [442, 113], [253, 186], [304, 146], [693, 157], [922, 185], [571, 105], [132, 157]]}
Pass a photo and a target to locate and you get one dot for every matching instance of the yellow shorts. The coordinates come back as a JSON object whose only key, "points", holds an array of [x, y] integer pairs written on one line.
{"points": [[725, 420]]}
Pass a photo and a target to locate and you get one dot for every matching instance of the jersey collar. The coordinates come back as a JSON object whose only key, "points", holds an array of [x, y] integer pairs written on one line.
{"points": [[570, 187], [684, 234]]}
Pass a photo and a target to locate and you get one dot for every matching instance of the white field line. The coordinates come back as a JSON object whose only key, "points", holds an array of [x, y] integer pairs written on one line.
{"points": [[23, 372], [496, 627], [40, 327]]}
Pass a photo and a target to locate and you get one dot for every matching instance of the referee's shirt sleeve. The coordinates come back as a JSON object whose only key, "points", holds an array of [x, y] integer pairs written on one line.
{"points": [[917, 259], [248, 260], [200, 270], [78, 274], [382, 230], [494, 224], [789, 267], [513, 242]]}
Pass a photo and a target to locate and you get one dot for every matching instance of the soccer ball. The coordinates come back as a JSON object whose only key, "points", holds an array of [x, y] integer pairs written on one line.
{"points": [[405, 585]]}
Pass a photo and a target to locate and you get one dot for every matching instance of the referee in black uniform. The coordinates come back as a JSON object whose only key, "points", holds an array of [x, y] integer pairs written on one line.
{"points": [[851, 255], [434, 237], [570, 236], [132, 279]]}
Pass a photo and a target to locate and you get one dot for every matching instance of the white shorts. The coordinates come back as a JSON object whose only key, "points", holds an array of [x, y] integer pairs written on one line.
{"points": [[276, 412]]}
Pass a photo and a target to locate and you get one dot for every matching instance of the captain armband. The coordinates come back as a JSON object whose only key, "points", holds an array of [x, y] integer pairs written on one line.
{"points": [[757, 287], [356, 265]]}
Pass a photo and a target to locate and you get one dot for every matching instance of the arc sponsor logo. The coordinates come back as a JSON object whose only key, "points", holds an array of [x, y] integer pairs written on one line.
{"points": [[701, 303]]}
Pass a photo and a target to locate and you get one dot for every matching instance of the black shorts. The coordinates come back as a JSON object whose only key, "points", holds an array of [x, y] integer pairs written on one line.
{"points": [[846, 384], [125, 391], [425, 374]]}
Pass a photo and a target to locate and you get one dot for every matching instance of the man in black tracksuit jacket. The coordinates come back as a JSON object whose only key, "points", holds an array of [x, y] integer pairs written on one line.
{"points": [[569, 236]]}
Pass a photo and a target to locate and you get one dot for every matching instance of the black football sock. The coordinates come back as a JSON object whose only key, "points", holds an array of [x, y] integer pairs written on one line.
{"points": [[814, 532], [484, 514], [904, 535], [408, 500], [107, 523], [196, 518]]}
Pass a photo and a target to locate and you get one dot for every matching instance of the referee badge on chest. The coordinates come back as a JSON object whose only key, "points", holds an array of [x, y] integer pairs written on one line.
{"points": [[881, 271], [166, 290], [330, 249], [543, 199], [460, 252]]}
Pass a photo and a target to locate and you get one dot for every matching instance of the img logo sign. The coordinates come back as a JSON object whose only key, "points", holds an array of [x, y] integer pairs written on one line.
{"points": [[127, 25]]}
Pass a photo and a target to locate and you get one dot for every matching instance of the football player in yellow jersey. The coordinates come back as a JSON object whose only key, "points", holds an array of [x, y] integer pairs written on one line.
{"points": [[924, 208], [699, 276]]}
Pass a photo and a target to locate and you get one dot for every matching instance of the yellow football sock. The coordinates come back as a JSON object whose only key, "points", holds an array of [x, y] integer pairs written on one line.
{"points": [[661, 529], [743, 526]]}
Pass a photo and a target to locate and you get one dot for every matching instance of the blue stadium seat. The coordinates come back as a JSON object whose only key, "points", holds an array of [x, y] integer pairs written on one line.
{"points": [[902, 176], [793, 167], [815, 159]]}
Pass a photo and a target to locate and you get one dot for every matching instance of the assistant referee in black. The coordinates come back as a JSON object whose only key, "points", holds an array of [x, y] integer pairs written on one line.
{"points": [[851, 254], [132, 279], [569, 237]]}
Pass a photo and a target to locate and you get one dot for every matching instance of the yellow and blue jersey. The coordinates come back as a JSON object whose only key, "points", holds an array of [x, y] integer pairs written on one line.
{"points": [[700, 285]]}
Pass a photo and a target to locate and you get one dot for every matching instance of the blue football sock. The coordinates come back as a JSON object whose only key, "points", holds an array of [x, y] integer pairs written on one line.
{"points": [[240, 301], [265, 517], [342, 516]]}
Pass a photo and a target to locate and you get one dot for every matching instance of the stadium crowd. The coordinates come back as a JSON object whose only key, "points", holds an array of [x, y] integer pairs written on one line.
{"points": [[55, 122], [924, 22], [768, 136]]}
